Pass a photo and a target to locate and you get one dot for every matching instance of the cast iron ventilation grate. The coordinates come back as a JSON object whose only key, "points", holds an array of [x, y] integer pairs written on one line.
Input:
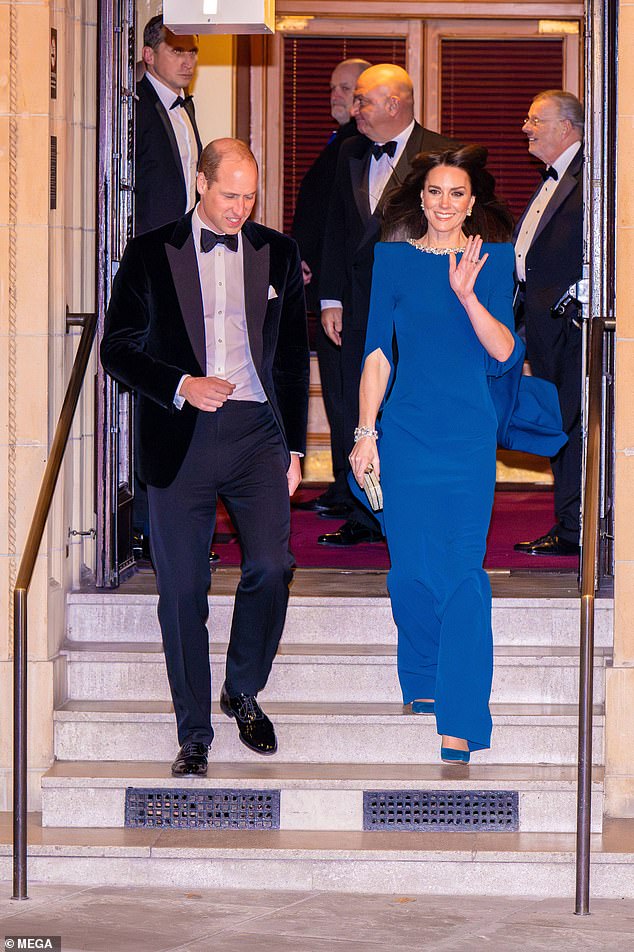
{"points": [[462, 810], [190, 809]]}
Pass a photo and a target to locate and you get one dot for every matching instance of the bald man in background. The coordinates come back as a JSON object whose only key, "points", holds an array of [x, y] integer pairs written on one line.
{"points": [[309, 226], [370, 166]]}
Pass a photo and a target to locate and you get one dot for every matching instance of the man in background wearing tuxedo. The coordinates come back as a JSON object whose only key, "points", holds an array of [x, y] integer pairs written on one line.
{"points": [[369, 167], [166, 152], [167, 146], [207, 324], [309, 226], [548, 260]]}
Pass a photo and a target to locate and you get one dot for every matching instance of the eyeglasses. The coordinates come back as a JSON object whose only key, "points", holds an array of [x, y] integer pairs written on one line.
{"points": [[536, 121]]}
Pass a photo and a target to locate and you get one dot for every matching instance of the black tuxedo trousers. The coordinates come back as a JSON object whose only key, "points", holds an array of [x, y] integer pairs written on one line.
{"points": [[237, 454]]}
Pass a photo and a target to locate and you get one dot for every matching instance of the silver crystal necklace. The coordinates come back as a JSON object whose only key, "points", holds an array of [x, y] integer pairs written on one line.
{"points": [[434, 251]]}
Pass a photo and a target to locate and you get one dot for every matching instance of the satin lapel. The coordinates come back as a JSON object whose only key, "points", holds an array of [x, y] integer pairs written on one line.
{"points": [[191, 112], [169, 131], [359, 171], [184, 268], [256, 262], [565, 187], [403, 166]]}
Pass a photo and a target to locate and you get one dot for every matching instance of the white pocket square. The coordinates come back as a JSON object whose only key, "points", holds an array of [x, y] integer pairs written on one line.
{"points": [[272, 292]]}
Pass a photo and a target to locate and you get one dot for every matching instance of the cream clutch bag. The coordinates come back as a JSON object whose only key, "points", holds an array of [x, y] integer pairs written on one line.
{"points": [[372, 489]]}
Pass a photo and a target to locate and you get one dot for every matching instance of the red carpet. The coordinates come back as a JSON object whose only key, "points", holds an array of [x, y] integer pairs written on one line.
{"points": [[517, 517]]}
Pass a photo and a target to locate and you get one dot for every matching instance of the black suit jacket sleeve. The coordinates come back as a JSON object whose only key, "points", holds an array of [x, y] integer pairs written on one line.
{"points": [[332, 282], [291, 363], [124, 349]]}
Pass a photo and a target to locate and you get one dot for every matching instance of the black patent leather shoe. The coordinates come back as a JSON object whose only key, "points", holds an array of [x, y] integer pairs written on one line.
{"points": [[256, 731], [191, 760], [214, 558], [350, 533], [549, 544]]}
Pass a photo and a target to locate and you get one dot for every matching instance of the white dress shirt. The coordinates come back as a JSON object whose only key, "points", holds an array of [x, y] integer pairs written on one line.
{"points": [[185, 138], [226, 335], [379, 175], [536, 210]]}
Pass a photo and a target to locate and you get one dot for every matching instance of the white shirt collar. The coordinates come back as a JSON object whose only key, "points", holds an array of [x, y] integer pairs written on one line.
{"points": [[164, 93], [561, 164], [198, 224], [402, 137]]}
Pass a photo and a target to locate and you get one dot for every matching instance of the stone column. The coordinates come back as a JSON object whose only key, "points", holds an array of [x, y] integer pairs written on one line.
{"points": [[43, 267]]}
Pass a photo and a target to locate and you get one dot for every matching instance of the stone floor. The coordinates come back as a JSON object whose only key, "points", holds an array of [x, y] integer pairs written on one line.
{"points": [[114, 919]]}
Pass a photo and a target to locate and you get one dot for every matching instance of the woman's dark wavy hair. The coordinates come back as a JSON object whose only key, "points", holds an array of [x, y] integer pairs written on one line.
{"points": [[491, 217]]}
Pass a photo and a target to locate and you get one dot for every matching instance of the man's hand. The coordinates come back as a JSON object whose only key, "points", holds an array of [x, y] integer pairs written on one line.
{"points": [[206, 393], [332, 323], [294, 474], [307, 274]]}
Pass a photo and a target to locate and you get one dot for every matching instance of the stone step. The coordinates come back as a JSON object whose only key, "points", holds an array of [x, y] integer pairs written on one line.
{"points": [[107, 616], [330, 673], [314, 796], [405, 863], [320, 733]]}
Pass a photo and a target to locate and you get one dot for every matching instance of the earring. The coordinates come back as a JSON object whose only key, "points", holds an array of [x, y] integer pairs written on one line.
{"points": [[422, 206], [469, 214]]}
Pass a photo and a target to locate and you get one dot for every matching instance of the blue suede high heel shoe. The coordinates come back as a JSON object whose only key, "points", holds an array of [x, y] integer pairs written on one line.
{"points": [[423, 707], [450, 755]]}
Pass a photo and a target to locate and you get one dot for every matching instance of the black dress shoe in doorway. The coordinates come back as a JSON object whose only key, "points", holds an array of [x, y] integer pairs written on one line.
{"points": [[338, 510], [317, 504], [256, 731], [549, 544], [350, 533], [191, 760]]}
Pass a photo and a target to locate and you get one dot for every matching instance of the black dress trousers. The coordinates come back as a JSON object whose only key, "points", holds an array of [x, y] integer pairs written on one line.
{"points": [[237, 454]]}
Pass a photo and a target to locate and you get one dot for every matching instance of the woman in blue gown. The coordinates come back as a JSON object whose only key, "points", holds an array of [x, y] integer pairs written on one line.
{"points": [[440, 324]]}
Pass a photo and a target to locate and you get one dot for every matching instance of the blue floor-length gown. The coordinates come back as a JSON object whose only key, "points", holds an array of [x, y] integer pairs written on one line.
{"points": [[437, 453]]}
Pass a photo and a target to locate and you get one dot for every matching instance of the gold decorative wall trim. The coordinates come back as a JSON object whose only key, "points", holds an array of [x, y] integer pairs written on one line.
{"points": [[13, 312]]}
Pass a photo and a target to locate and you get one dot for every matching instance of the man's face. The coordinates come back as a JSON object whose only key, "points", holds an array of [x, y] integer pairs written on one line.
{"points": [[342, 83], [373, 109], [546, 130], [173, 61], [227, 202]]}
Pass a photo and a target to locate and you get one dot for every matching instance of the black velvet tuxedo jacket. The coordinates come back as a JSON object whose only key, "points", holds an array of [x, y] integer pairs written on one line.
{"points": [[159, 185], [351, 231], [154, 333], [555, 258], [311, 208]]}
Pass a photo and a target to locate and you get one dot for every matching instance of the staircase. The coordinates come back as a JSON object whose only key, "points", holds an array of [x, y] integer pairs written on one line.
{"points": [[333, 809]]}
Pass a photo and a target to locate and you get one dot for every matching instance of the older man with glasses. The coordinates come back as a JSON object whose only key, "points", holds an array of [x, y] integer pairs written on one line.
{"points": [[548, 259]]}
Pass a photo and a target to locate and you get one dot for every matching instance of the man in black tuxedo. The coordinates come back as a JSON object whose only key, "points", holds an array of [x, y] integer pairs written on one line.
{"points": [[207, 323], [549, 259], [370, 166], [166, 152], [309, 226], [167, 144]]}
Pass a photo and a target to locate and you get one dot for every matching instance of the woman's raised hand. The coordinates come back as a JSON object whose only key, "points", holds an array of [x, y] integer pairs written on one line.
{"points": [[364, 454], [462, 276]]}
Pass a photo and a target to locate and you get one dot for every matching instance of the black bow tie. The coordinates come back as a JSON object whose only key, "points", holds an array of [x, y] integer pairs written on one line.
{"points": [[209, 240], [550, 172], [388, 148], [181, 101]]}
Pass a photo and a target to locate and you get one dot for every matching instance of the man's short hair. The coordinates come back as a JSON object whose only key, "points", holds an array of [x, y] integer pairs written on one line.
{"points": [[154, 32], [569, 106], [219, 149]]}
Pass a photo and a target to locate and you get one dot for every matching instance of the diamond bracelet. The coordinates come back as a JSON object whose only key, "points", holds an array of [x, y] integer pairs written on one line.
{"points": [[362, 431]]}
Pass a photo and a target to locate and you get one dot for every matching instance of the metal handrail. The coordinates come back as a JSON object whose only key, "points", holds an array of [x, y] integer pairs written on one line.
{"points": [[588, 587], [20, 593]]}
